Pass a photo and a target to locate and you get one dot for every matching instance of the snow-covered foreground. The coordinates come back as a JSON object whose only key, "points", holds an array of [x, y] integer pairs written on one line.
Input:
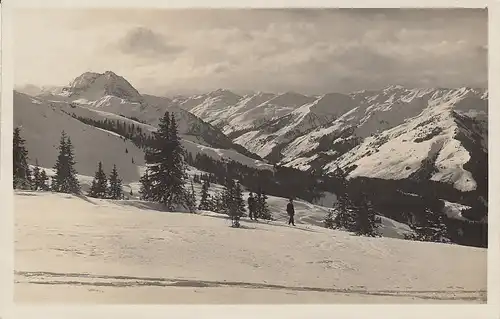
{"points": [[71, 249]]}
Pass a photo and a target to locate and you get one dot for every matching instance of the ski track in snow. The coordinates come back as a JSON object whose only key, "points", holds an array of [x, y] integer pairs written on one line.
{"points": [[81, 249]]}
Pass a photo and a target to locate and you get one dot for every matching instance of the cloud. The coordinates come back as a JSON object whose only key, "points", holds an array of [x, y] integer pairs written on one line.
{"points": [[311, 51], [144, 41]]}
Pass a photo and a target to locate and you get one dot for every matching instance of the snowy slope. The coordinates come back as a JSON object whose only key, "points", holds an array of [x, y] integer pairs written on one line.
{"points": [[70, 249], [36, 115], [41, 125]]}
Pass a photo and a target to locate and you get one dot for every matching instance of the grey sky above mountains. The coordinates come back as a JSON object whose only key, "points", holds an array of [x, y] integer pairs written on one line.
{"points": [[311, 51]]}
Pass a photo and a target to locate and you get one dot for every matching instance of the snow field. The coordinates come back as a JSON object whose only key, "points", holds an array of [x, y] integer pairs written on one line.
{"points": [[81, 249]]}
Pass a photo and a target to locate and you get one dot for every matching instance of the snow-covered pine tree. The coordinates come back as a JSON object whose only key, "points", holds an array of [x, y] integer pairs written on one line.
{"points": [[115, 185], [179, 174], [65, 180], [204, 200], [191, 199], [344, 207], [99, 187], [430, 227], [328, 222], [264, 211], [36, 183], [216, 203], [166, 165], [258, 203], [145, 190], [237, 204], [44, 181], [20, 169], [346, 210], [227, 196], [366, 221]]}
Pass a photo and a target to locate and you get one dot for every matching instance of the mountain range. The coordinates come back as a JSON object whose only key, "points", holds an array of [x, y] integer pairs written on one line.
{"points": [[431, 135]]}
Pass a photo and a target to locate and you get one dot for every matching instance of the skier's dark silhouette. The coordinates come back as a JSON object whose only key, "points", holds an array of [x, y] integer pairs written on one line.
{"points": [[251, 207], [291, 212]]}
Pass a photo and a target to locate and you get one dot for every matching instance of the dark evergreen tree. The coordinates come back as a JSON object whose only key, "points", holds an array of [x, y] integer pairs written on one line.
{"points": [[328, 222], [345, 207], [366, 220], [166, 164], [99, 187], [21, 171], [115, 185], [65, 180], [227, 196], [204, 200], [44, 179], [263, 209], [217, 203], [145, 190], [258, 203], [430, 227], [36, 182], [131, 193], [191, 199], [237, 204]]}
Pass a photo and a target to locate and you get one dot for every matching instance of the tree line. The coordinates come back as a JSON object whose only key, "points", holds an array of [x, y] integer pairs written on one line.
{"points": [[129, 131]]}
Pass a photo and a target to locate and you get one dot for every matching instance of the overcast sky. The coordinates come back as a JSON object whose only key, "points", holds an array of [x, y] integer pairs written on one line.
{"points": [[308, 51]]}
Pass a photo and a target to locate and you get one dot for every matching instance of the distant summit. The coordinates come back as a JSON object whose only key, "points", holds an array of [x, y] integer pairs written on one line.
{"points": [[92, 86]]}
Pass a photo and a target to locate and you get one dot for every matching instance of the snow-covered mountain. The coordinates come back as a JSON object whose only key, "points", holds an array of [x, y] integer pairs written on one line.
{"points": [[394, 133], [431, 133], [234, 114], [109, 96]]}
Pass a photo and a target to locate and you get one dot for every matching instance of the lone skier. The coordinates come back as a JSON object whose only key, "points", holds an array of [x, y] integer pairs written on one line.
{"points": [[291, 212], [251, 207]]}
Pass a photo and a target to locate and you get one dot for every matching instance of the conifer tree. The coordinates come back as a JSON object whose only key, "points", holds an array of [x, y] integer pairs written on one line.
{"points": [[44, 179], [204, 200], [99, 187], [264, 211], [65, 180], [166, 164], [430, 227], [115, 185], [258, 203], [216, 204], [366, 220], [237, 203], [145, 190], [36, 183], [191, 199], [345, 207], [21, 171], [328, 221], [227, 196]]}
